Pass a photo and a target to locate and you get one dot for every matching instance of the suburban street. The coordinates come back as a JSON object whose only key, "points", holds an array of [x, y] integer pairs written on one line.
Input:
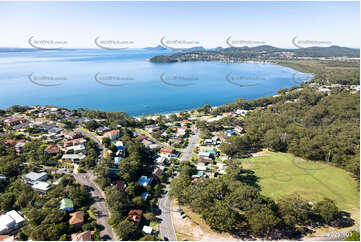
{"points": [[166, 224], [87, 179], [187, 152], [102, 212]]}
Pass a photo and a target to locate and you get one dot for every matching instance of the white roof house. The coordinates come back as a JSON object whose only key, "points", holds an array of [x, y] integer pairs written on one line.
{"points": [[153, 146], [147, 230], [206, 154], [10, 221], [33, 177], [161, 160], [73, 157], [201, 168], [117, 160], [119, 143], [79, 147], [41, 186]]}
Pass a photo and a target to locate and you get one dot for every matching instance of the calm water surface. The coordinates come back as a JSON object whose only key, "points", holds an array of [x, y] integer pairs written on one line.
{"points": [[126, 81]]}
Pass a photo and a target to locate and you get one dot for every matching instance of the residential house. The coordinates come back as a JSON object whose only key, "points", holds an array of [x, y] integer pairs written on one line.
{"points": [[147, 142], [213, 152], [19, 147], [208, 142], [7, 238], [239, 130], [229, 132], [69, 135], [83, 236], [52, 149], [33, 177], [102, 130], [144, 196], [14, 121], [76, 148], [41, 186], [113, 134], [162, 160], [204, 154], [66, 205], [168, 151], [200, 167], [215, 140], [157, 172], [121, 185], [205, 160], [74, 142], [135, 134], [221, 168], [151, 128], [175, 141], [10, 222], [153, 146], [120, 145], [14, 143], [117, 160], [144, 181], [140, 138], [199, 174], [242, 112], [77, 219], [181, 131], [73, 157], [135, 215], [147, 230], [55, 130]]}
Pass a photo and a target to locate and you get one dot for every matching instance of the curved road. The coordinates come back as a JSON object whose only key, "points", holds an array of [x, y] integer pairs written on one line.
{"points": [[166, 228], [102, 211]]}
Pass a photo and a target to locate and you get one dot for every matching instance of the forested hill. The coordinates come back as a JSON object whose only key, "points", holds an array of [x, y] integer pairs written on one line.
{"points": [[264, 52]]}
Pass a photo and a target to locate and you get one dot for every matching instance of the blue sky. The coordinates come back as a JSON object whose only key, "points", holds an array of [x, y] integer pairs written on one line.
{"points": [[208, 23]]}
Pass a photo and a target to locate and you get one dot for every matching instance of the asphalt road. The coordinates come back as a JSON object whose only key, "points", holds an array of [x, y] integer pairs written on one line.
{"points": [[187, 152], [166, 224], [102, 211]]}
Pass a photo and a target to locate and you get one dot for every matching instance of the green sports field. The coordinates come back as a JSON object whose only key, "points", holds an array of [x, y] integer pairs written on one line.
{"points": [[283, 174]]}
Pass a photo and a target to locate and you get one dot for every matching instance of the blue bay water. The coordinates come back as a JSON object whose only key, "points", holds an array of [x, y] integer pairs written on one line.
{"points": [[87, 79]]}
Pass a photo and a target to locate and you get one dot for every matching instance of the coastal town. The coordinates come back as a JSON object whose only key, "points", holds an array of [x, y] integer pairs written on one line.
{"points": [[69, 145], [120, 167]]}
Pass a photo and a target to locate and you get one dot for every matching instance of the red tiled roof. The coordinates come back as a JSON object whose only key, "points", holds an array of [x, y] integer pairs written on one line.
{"points": [[135, 215], [120, 184], [52, 149], [10, 142], [166, 150], [114, 131], [141, 137], [77, 217], [84, 236]]}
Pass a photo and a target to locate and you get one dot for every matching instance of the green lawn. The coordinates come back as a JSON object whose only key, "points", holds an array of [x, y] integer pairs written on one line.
{"points": [[282, 174]]}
